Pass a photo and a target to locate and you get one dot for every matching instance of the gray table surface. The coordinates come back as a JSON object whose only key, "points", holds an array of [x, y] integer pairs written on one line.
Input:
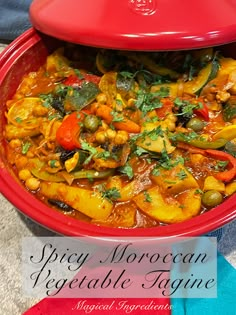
{"points": [[14, 226]]}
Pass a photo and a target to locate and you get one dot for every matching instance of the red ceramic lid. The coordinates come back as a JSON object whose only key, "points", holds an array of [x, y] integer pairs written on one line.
{"points": [[138, 24]]}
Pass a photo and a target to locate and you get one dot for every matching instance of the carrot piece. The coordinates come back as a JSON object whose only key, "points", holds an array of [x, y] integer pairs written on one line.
{"points": [[105, 112]]}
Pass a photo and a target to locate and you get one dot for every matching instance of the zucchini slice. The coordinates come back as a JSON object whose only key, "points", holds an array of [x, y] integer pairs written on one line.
{"points": [[207, 74], [194, 86], [229, 109]]}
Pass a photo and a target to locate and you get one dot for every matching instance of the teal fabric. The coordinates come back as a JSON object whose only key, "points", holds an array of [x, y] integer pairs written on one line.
{"points": [[224, 304]]}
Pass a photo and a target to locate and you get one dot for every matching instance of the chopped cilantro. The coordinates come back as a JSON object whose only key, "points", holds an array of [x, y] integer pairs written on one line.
{"points": [[139, 151], [18, 120], [221, 165], [198, 192], [47, 99], [153, 134], [127, 170], [116, 117], [127, 74], [103, 155], [25, 147], [87, 147], [156, 171], [147, 196], [119, 102], [53, 163], [111, 194], [79, 74], [171, 182], [147, 101], [167, 163], [185, 137], [185, 107], [55, 115], [182, 174]]}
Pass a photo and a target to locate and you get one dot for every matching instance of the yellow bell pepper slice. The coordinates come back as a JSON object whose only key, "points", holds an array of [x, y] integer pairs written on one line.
{"points": [[90, 203], [228, 133]]}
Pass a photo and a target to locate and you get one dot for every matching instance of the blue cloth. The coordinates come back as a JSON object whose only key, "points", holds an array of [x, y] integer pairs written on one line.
{"points": [[14, 18], [226, 295]]}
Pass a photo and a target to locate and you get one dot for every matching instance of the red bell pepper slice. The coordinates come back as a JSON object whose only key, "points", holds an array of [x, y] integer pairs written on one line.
{"points": [[67, 134], [190, 148], [229, 174], [75, 81]]}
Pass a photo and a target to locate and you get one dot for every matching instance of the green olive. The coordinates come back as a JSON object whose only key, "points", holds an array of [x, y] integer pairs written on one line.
{"points": [[212, 198], [91, 123], [195, 124]]}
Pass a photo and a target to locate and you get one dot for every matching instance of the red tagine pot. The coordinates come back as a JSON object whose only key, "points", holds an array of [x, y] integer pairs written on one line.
{"points": [[127, 24]]}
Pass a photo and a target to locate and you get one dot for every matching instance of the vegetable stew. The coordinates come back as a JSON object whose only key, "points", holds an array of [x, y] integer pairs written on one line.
{"points": [[126, 139]]}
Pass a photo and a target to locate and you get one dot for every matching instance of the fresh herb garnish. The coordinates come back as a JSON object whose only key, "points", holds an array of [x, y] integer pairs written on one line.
{"points": [[185, 107], [147, 196], [221, 165], [18, 120], [198, 191], [116, 117], [87, 147], [25, 147], [110, 194], [103, 155], [127, 170], [79, 74], [53, 163], [182, 174], [47, 99], [147, 101]]}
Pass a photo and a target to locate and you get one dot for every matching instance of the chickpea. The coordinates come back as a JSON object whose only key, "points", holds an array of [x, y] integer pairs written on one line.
{"points": [[110, 134], [121, 137], [15, 143], [101, 137], [32, 183], [24, 174]]}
